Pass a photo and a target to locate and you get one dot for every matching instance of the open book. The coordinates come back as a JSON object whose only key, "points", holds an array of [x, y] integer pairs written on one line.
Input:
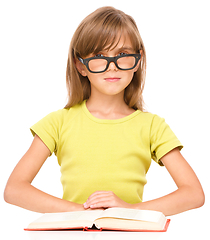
{"points": [[121, 219]]}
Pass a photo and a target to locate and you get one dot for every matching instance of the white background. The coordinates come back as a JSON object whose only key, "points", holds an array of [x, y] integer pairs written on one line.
{"points": [[34, 42]]}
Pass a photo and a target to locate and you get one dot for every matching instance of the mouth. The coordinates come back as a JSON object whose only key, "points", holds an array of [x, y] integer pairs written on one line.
{"points": [[115, 79]]}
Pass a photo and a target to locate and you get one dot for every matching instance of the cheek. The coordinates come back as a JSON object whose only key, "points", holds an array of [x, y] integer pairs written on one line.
{"points": [[129, 75], [137, 67], [94, 77]]}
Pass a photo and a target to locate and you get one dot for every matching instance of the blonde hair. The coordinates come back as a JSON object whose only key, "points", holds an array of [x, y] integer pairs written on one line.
{"points": [[102, 30]]}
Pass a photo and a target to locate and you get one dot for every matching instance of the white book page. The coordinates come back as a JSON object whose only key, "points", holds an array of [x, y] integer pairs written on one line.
{"points": [[69, 216], [125, 213]]}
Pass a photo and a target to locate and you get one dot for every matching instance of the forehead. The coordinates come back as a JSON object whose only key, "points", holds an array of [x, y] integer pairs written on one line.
{"points": [[121, 42], [103, 39]]}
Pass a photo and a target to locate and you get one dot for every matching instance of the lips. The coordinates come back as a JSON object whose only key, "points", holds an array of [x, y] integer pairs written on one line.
{"points": [[114, 79]]}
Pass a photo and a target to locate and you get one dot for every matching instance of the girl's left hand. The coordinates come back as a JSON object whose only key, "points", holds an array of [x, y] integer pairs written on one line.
{"points": [[105, 199]]}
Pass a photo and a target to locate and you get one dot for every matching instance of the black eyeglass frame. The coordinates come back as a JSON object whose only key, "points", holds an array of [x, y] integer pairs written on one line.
{"points": [[109, 60]]}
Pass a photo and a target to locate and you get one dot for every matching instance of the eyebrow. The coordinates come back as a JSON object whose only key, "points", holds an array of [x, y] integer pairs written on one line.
{"points": [[125, 48]]}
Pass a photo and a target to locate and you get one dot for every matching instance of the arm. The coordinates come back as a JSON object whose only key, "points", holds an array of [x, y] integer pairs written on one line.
{"points": [[19, 190], [189, 194]]}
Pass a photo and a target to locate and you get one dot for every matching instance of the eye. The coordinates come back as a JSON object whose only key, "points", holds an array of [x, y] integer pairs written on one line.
{"points": [[122, 54], [99, 55]]}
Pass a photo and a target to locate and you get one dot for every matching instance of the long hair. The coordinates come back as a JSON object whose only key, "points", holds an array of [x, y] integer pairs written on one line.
{"points": [[102, 30]]}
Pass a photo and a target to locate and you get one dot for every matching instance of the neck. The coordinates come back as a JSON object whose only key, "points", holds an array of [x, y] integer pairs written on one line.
{"points": [[106, 103], [108, 107]]}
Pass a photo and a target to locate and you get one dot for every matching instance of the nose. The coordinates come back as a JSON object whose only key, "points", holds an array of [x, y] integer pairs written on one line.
{"points": [[112, 66]]}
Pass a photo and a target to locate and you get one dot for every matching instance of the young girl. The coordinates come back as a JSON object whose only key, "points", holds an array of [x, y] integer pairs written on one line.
{"points": [[103, 138]]}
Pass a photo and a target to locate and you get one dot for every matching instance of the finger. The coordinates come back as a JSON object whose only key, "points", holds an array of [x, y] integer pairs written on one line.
{"points": [[97, 193], [90, 202], [86, 204], [101, 204], [96, 200]]}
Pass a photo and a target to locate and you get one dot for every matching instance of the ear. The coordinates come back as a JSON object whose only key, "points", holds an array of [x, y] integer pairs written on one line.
{"points": [[80, 67], [137, 66]]}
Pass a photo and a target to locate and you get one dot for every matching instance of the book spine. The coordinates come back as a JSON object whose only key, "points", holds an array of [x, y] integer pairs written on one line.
{"points": [[92, 230]]}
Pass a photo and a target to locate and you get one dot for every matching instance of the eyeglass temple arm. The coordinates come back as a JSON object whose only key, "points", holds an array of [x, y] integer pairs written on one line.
{"points": [[81, 60]]}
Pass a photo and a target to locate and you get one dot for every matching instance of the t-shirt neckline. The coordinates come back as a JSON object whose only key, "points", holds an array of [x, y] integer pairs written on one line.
{"points": [[110, 121]]}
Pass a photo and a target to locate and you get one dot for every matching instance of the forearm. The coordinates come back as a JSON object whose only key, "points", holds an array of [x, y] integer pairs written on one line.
{"points": [[189, 194], [183, 199], [26, 196]]}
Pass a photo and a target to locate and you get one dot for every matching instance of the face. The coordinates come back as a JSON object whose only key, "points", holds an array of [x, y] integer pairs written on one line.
{"points": [[113, 81]]}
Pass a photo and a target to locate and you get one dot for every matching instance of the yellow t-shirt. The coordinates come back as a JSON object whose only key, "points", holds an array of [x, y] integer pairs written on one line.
{"points": [[111, 155]]}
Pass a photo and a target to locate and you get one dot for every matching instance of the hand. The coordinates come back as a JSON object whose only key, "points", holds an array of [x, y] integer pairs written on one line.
{"points": [[105, 199]]}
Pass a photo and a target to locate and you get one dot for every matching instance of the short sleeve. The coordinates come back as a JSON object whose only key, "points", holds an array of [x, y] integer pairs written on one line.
{"points": [[162, 139], [48, 130]]}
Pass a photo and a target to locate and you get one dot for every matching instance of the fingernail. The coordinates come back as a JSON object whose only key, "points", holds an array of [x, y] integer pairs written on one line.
{"points": [[85, 205]]}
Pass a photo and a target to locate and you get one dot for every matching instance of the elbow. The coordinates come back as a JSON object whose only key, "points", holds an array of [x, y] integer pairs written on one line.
{"points": [[199, 198], [10, 194], [7, 194], [193, 198]]}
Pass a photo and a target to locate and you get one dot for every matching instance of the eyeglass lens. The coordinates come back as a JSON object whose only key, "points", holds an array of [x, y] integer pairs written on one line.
{"points": [[97, 65]]}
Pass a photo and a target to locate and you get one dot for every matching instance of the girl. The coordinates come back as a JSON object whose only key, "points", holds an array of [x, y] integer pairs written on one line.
{"points": [[103, 138]]}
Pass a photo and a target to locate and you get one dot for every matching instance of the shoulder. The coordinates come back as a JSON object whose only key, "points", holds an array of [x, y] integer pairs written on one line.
{"points": [[149, 118], [56, 119], [153, 123], [156, 123], [55, 116], [61, 114]]}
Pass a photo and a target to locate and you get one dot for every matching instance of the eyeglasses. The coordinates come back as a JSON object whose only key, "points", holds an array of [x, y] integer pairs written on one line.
{"points": [[99, 64]]}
